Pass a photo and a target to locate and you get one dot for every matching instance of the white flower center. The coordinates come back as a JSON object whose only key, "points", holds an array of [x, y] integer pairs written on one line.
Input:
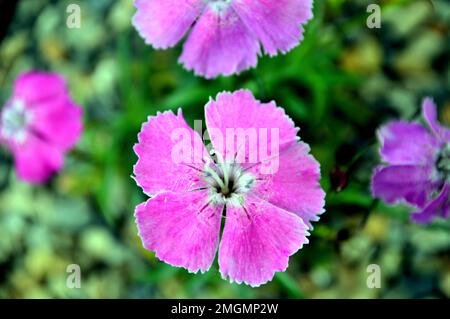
{"points": [[14, 121], [219, 5], [228, 182]]}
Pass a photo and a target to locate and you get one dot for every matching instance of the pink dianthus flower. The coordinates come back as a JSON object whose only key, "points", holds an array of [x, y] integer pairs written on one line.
{"points": [[269, 199], [38, 124], [226, 35]]}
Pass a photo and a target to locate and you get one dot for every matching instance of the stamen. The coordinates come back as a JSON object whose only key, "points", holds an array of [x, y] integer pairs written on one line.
{"points": [[224, 168], [214, 175], [228, 182]]}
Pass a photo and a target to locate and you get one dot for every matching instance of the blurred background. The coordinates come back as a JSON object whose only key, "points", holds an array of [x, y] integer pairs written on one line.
{"points": [[339, 86]]}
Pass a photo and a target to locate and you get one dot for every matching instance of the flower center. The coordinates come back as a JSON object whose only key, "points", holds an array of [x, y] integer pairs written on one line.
{"points": [[219, 5], [14, 121], [443, 162], [228, 182]]}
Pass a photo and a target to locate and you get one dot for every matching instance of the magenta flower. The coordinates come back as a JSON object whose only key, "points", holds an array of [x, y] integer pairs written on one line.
{"points": [[226, 34], [261, 178], [418, 166], [39, 124]]}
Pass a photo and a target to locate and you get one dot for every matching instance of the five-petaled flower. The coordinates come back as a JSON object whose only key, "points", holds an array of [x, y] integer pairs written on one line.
{"points": [[226, 35], [268, 212], [418, 170], [39, 123]]}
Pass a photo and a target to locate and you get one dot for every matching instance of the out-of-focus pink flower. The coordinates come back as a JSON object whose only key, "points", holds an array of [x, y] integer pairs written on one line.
{"points": [[266, 184], [226, 35], [39, 123], [417, 169]]}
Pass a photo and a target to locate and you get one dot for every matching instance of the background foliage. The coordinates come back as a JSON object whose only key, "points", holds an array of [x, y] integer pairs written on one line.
{"points": [[339, 86]]}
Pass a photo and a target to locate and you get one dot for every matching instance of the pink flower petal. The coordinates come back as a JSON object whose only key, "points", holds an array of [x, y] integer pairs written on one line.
{"points": [[241, 111], [446, 210], [406, 144], [295, 186], [162, 23], [409, 183], [438, 207], [220, 44], [429, 112], [277, 24], [158, 169], [35, 86], [58, 121], [181, 228], [36, 160], [257, 242]]}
